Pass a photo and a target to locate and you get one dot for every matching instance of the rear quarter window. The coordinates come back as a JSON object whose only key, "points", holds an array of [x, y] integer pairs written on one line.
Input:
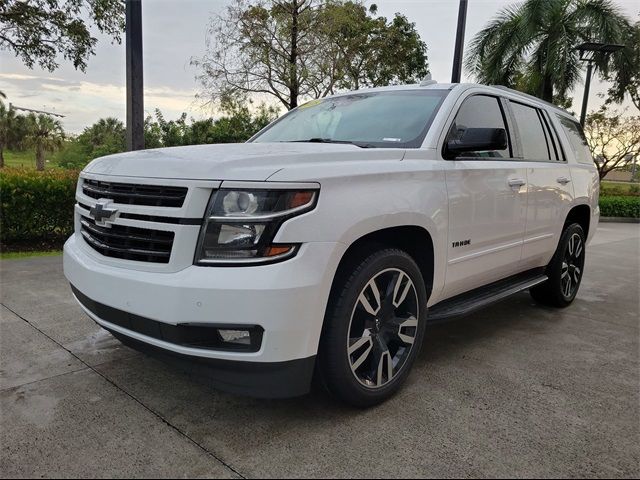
{"points": [[577, 139]]}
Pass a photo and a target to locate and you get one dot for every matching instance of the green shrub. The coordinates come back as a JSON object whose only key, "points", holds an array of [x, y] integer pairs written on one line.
{"points": [[72, 156], [618, 206], [36, 206]]}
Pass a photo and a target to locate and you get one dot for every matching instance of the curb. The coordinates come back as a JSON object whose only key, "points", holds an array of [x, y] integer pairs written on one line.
{"points": [[619, 220]]}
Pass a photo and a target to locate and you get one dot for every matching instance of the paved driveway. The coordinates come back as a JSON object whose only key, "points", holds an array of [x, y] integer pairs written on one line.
{"points": [[514, 390]]}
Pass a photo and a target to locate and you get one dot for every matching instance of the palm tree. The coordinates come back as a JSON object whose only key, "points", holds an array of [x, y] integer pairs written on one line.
{"points": [[532, 46], [46, 134], [626, 71], [7, 116]]}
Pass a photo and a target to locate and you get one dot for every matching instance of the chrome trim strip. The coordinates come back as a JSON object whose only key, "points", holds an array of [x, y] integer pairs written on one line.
{"points": [[233, 185], [134, 251], [486, 252], [538, 238]]}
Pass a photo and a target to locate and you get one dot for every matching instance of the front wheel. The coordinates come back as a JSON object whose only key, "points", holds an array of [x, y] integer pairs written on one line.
{"points": [[374, 327], [565, 270]]}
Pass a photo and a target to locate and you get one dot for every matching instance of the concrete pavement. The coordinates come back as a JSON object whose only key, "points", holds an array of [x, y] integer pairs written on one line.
{"points": [[515, 390]]}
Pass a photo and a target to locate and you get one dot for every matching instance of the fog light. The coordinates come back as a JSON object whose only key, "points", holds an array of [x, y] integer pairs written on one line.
{"points": [[239, 337]]}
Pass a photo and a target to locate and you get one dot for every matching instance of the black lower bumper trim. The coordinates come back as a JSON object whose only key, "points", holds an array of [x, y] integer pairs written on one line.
{"points": [[206, 336], [255, 379]]}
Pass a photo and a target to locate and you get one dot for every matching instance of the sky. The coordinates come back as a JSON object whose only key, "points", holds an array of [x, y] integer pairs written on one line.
{"points": [[174, 31]]}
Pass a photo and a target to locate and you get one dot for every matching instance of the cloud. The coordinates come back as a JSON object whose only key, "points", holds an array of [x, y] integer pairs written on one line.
{"points": [[84, 102], [21, 76]]}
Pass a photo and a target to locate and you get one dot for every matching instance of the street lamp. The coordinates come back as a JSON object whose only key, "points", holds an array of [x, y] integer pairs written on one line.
{"points": [[588, 52]]}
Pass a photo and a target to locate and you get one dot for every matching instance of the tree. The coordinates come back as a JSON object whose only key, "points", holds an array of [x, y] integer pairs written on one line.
{"points": [[37, 31], [297, 49], [17, 138], [46, 135], [532, 46], [7, 119], [238, 124], [614, 140], [367, 51], [105, 137], [170, 133], [626, 71]]}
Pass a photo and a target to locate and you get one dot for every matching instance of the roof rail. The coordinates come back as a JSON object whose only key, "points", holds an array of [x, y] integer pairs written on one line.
{"points": [[531, 97]]}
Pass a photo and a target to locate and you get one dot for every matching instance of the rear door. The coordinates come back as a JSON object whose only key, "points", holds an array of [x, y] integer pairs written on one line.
{"points": [[487, 203], [549, 189]]}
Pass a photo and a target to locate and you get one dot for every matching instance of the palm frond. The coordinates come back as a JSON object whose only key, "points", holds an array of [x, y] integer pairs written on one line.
{"points": [[496, 52]]}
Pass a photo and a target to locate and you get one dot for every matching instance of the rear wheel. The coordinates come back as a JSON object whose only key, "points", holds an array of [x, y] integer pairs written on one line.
{"points": [[564, 271], [374, 328]]}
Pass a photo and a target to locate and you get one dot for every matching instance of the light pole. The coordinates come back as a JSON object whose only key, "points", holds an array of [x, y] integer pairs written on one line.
{"points": [[135, 93], [456, 73], [588, 52]]}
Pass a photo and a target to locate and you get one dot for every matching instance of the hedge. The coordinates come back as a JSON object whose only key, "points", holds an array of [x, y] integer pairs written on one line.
{"points": [[36, 207], [620, 206]]}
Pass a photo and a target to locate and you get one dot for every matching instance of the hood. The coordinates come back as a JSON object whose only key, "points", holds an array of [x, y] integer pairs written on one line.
{"points": [[234, 161]]}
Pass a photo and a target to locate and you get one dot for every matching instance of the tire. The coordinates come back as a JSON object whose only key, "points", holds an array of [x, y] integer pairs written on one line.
{"points": [[565, 271], [368, 346]]}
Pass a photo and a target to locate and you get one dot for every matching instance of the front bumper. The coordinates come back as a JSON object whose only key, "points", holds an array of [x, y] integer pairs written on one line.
{"points": [[287, 300]]}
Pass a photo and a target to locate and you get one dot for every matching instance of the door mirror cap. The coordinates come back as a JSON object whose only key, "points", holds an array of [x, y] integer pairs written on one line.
{"points": [[477, 140]]}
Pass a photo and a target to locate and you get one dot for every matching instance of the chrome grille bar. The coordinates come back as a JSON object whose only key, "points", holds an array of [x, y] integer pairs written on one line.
{"points": [[130, 243], [135, 194]]}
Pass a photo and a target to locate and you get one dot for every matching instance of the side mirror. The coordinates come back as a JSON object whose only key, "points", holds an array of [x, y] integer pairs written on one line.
{"points": [[477, 140]]}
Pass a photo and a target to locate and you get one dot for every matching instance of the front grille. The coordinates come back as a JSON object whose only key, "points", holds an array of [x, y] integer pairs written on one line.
{"points": [[135, 194], [130, 243]]}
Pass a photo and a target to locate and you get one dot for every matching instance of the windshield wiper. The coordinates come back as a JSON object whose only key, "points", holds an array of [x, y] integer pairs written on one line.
{"points": [[330, 140]]}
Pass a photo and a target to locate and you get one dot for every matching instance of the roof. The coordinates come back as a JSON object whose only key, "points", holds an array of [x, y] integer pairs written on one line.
{"points": [[498, 89]]}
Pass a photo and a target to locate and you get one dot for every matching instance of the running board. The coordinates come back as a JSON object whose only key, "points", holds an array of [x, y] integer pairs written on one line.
{"points": [[469, 302]]}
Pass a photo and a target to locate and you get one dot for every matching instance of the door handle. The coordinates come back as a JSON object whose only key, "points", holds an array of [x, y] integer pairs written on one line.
{"points": [[516, 182], [563, 180]]}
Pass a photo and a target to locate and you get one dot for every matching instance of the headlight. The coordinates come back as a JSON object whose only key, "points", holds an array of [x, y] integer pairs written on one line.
{"points": [[240, 225]]}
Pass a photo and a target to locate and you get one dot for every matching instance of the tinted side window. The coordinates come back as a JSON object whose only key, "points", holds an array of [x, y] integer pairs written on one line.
{"points": [[557, 150], [479, 111], [577, 140], [534, 140]]}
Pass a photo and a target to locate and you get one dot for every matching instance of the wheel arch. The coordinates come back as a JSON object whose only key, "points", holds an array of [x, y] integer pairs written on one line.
{"points": [[413, 239], [580, 214]]}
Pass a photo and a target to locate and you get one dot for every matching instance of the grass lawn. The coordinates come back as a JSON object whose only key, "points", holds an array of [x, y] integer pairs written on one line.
{"points": [[16, 255], [26, 159]]}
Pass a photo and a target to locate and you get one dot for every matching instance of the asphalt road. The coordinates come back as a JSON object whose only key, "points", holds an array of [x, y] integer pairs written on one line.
{"points": [[516, 390]]}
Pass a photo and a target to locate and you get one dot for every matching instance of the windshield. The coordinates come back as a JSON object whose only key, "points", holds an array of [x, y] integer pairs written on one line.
{"points": [[392, 119]]}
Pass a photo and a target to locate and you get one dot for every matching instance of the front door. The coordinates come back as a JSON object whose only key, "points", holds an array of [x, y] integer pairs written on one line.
{"points": [[487, 194]]}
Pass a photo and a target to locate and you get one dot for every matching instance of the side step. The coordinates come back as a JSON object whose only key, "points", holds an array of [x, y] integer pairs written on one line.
{"points": [[469, 302]]}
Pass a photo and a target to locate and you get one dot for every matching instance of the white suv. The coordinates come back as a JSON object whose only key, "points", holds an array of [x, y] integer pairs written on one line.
{"points": [[330, 240]]}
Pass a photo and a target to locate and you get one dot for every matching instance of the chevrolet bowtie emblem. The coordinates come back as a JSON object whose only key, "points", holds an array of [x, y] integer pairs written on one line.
{"points": [[100, 212]]}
